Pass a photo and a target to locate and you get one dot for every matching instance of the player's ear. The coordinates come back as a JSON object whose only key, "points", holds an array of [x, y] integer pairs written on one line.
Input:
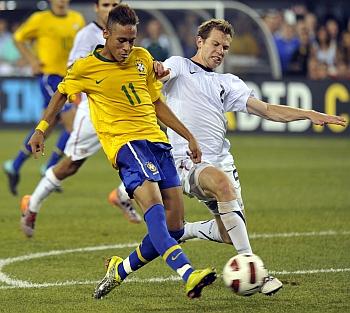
{"points": [[199, 41], [105, 33]]}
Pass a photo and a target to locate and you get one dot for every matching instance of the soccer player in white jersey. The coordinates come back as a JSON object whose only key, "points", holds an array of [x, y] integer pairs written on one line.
{"points": [[83, 141], [200, 97]]}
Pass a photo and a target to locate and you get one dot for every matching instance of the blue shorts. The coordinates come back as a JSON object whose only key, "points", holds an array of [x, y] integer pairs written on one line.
{"points": [[48, 86], [141, 160]]}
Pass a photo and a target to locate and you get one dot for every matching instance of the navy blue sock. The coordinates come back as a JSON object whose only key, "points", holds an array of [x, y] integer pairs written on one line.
{"points": [[143, 254], [23, 154], [60, 145], [165, 245]]}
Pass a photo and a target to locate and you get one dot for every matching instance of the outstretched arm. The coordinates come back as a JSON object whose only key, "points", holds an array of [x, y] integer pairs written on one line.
{"points": [[36, 142], [169, 119], [283, 113]]}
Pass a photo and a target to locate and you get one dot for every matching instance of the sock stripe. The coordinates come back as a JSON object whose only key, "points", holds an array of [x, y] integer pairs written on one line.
{"points": [[139, 255], [182, 270], [240, 214], [170, 250], [127, 266]]}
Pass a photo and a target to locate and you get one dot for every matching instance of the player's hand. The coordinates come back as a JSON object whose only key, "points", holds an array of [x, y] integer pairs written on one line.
{"points": [[323, 119], [195, 152], [36, 143], [160, 70], [36, 66]]}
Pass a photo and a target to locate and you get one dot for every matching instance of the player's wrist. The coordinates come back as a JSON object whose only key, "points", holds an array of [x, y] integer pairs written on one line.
{"points": [[42, 126]]}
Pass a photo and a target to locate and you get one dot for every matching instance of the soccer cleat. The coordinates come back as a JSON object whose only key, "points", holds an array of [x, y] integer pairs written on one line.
{"points": [[27, 218], [198, 280], [128, 210], [110, 280], [12, 176], [271, 285]]}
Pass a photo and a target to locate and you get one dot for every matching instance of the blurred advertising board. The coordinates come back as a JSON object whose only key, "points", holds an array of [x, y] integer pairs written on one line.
{"points": [[21, 104]]}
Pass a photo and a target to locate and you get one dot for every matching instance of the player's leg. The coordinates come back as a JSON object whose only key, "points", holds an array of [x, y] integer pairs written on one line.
{"points": [[158, 241], [12, 167], [66, 118], [30, 205], [119, 198], [48, 85], [216, 229], [213, 182], [82, 143]]}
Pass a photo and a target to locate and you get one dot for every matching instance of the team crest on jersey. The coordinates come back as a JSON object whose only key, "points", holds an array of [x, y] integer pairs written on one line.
{"points": [[151, 167], [140, 66]]}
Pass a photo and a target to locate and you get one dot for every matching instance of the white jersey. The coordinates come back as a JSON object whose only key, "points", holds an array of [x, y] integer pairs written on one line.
{"points": [[83, 141], [85, 42], [199, 98]]}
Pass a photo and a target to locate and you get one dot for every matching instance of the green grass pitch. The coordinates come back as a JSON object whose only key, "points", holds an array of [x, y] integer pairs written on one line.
{"points": [[296, 186]]}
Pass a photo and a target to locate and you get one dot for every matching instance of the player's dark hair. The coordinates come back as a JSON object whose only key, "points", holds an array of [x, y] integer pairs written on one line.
{"points": [[205, 28], [122, 14], [97, 2]]}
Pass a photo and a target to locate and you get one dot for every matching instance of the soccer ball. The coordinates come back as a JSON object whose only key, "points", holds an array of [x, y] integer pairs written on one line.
{"points": [[244, 274]]}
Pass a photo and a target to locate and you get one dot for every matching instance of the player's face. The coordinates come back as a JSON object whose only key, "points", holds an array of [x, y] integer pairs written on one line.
{"points": [[120, 40], [59, 6], [102, 10], [213, 49]]}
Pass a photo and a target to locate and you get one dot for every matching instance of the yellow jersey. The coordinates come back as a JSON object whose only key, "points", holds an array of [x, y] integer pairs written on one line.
{"points": [[120, 95], [53, 38]]}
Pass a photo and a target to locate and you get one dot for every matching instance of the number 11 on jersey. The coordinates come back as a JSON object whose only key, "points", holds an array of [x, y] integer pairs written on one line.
{"points": [[131, 87]]}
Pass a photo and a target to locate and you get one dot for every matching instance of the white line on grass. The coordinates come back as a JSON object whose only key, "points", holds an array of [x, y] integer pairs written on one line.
{"points": [[163, 279], [15, 283]]}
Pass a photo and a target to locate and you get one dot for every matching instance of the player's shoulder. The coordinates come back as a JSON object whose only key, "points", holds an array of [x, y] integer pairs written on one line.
{"points": [[141, 52], [75, 14], [80, 64], [88, 30], [38, 16], [177, 59], [228, 77]]}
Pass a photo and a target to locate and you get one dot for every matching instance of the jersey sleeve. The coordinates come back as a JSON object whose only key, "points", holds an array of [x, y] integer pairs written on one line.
{"points": [[154, 86], [174, 64], [29, 29], [237, 96], [71, 84], [84, 43]]}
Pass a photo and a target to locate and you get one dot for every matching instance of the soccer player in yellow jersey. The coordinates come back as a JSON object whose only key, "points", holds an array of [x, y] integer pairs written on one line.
{"points": [[124, 99], [45, 40]]}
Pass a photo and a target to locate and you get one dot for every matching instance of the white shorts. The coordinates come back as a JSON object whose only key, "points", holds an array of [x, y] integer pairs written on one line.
{"points": [[83, 141], [189, 173]]}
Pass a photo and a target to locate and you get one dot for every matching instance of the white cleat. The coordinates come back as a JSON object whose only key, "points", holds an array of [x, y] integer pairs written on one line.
{"points": [[271, 285]]}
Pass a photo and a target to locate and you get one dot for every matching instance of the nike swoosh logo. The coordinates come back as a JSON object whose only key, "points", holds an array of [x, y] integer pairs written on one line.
{"points": [[101, 80], [193, 72], [173, 258]]}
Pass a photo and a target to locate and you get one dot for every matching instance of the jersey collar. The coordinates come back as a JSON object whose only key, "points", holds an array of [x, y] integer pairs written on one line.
{"points": [[99, 26], [207, 69], [99, 56]]}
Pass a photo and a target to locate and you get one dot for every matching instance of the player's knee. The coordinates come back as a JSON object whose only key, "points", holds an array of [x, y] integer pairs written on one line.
{"points": [[224, 189], [67, 168]]}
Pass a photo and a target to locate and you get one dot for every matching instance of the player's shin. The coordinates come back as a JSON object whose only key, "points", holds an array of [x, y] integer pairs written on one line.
{"points": [[233, 219], [142, 255], [165, 245], [47, 184]]}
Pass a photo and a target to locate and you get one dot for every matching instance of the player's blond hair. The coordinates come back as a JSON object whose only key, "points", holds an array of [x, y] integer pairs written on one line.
{"points": [[222, 25]]}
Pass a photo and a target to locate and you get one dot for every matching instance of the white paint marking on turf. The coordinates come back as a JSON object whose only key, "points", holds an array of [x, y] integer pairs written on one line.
{"points": [[166, 279], [15, 283], [293, 234]]}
